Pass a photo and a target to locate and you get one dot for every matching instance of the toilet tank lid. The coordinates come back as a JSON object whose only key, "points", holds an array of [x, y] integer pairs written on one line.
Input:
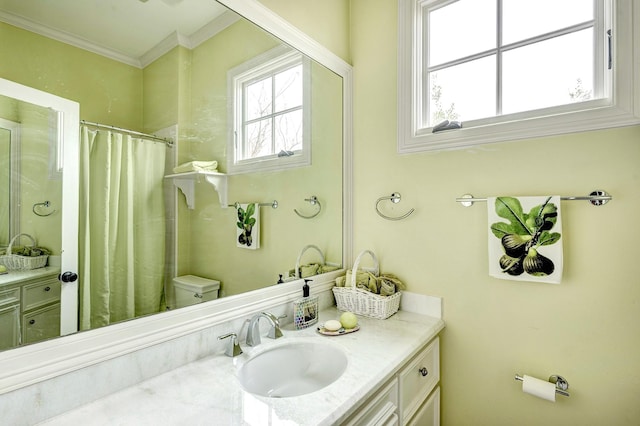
{"points": [[195, 281]]}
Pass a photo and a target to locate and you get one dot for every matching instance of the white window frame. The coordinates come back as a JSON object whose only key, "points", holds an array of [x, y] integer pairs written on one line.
{"points": [[620, 108], [236, 77]]}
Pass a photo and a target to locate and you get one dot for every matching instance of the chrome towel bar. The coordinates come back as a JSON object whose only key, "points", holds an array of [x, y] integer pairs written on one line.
{"points": [[596, 198], [273, 204]]}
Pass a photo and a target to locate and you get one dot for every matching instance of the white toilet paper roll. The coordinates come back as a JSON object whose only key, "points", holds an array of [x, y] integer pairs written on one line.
{"points": [[540, 388]]}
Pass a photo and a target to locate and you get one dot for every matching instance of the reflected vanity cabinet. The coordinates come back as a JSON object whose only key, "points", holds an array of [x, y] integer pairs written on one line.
{"points": [[29, 307], [410, 397]]}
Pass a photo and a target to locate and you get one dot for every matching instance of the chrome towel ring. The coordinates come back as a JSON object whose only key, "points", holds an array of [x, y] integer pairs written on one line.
{"points": [[395, 199], [43, 204], [313, 200]]}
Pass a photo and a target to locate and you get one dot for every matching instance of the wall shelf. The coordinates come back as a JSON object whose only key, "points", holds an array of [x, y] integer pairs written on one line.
{"points": [[186, 183]]}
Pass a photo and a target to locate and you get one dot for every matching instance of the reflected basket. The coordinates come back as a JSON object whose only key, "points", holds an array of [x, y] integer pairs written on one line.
{"points": [[22, 263], [363, 302]]}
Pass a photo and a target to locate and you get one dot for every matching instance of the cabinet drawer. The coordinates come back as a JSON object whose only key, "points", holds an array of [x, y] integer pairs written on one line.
{"points": [[41, 324], [9, 297], [429, 413], [418, 379], [40, 293], [380, 410]]}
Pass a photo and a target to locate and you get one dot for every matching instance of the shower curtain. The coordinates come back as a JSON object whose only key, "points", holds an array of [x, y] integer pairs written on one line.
{"points": [[122, 227]]}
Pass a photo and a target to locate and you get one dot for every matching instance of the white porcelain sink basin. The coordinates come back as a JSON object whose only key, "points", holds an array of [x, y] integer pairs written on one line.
{"points": [[292, 369]]}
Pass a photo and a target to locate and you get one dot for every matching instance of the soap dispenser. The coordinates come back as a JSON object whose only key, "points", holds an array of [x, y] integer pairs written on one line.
{"points": [[305, 310]]}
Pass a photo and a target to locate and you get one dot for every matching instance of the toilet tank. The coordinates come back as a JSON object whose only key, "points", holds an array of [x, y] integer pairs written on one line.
{"points": [[191, 289]]}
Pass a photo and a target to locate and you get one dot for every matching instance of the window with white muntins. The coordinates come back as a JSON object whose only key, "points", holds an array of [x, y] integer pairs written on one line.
{"points": [[514, 69], [269, 112]]}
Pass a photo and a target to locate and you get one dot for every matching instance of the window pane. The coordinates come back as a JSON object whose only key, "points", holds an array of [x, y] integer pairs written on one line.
{"points": [[258, 137], [288, 89], [525, 19], [288, 131], [460, 29], [258, 103], [554, 72], [463, 92]]}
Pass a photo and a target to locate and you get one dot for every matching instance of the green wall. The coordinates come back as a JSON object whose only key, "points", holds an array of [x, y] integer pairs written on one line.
{"points": [[212, 237], [188, 88], [108, 92], [585, 329]]}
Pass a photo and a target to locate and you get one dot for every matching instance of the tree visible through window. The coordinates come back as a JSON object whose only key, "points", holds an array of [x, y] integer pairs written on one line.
{"points": [[512, 70], [488, 58], [273, 114], [270, 112]]}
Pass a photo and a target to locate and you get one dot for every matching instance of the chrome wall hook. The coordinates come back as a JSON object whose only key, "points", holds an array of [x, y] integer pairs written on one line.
{"points": [[313, 200], [45, 204], [395, 199]]}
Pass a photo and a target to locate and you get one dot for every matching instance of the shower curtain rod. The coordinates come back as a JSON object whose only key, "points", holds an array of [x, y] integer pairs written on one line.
{"points": [[168, 141]]}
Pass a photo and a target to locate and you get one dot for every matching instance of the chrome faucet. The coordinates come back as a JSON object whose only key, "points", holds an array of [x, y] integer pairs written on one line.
{"points": [[233, 349], [253, 332]]}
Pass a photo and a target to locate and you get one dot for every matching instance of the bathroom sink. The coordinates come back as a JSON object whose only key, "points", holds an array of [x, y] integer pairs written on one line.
{"points": [[292, 369]]}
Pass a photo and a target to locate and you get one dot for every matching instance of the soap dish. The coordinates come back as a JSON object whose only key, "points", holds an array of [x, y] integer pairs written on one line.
{"points": [[339, 332]]}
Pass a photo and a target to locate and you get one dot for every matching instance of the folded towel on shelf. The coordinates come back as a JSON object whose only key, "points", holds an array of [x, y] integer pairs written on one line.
{"points": [[524, 238], [196, 166]]}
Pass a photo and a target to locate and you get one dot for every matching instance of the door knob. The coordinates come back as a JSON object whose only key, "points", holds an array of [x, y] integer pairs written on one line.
{"points": [[68, 277]]}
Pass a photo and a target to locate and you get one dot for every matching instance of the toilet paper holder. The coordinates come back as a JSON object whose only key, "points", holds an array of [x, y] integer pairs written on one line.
{"points": [[561, 383]]}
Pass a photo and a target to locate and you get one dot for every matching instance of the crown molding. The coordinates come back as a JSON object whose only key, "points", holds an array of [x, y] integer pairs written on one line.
{"points": [[173, 40]]}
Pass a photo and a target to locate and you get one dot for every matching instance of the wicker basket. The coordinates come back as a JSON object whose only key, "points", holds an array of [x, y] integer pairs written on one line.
{"points": [[363, 302], [23, 263]]}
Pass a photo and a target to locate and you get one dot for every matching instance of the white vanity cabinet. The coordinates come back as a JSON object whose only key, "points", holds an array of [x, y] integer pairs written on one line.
{"points": [[29, 307], [417, 381], [40, 309], [381, 409], [9, 318], [411, 397]]}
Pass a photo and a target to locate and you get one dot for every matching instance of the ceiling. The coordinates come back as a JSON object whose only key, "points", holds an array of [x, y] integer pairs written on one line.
{"points": [[132, 31]]}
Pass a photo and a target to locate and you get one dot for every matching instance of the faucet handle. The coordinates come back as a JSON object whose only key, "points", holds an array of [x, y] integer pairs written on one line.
{"points": [[234, 348], [275, 332]]}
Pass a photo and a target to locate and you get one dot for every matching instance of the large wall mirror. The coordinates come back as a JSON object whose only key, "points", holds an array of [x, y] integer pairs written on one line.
{"points": [[173, 84]]}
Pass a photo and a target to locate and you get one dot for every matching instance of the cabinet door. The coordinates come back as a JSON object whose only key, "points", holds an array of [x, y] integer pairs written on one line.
{"points": [[9, 326], [429, 413], [40, 293], [41, 324], [381, 410], [418, 379]]}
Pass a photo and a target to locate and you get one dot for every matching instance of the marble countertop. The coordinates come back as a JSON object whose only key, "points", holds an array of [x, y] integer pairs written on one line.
{"points": [[13, 277], [208, 392]]}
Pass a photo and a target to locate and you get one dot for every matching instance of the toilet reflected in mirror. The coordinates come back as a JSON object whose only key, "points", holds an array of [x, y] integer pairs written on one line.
{"points": [[190, 290]]}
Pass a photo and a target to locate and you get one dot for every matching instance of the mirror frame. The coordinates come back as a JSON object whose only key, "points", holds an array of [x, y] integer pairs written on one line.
{"points": [[14, 175], [32, 364]]}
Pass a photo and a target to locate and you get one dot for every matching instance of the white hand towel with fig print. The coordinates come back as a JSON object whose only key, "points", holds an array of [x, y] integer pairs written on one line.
{"points": [[248, 226], [525, 238]]}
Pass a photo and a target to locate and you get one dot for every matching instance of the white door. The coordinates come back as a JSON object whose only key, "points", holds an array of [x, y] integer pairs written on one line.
{"points": [[64, 159]]}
